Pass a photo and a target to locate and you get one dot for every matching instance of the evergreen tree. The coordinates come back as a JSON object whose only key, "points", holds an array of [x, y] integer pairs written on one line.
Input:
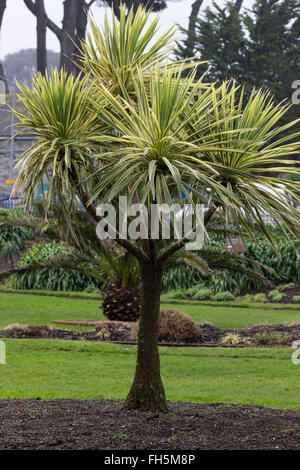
{"points": [[220, 41], [258, 48]]}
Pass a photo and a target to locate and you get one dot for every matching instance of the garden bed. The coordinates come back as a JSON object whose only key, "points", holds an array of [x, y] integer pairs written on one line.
{"points": [[33, 424], [120, 332]]}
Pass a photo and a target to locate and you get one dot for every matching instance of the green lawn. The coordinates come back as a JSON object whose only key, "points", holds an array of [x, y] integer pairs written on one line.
{"points": [[57, 369], [39, 310]]}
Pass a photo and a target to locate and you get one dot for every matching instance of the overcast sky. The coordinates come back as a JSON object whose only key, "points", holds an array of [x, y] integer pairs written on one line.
{"points": [[19, 26]]}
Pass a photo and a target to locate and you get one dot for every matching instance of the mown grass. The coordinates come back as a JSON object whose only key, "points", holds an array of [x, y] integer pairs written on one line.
{"points": [[42, 310], [39, 310], [66, 369]]}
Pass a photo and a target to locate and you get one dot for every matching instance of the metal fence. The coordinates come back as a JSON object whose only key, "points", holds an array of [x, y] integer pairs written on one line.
{"points": [[7, 203]]}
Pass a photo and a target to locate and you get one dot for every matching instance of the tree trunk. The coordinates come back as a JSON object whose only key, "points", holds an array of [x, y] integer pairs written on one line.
{"points": [[41, 28], [2, 74], [192, 27], [2, 9], [147, 391], [238, 5], [81, 26], [68, 35]]}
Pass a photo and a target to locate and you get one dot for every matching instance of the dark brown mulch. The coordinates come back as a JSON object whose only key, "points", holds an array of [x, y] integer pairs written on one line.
{"points": [[288, 299], [207, 333], [102, 424]]}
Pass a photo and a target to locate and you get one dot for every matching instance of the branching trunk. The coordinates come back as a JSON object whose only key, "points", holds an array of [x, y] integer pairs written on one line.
{"points": [[147, 391]]}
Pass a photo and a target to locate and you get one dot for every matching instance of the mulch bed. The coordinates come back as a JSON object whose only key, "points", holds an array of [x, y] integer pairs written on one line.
{"points": [[208, 335], [288, 299], [69, 424]]}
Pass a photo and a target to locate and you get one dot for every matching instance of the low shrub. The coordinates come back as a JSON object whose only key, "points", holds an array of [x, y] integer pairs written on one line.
{"points": [[232, 339], [296, 299], [285, 287], [174, 327], [223, 296], [260, 298], [273, 293], [47, 278], [193, 290], [18, 330], [112, 330], [203, 294], [279, 297], [177, 294], [271, 338], [247, 298]]}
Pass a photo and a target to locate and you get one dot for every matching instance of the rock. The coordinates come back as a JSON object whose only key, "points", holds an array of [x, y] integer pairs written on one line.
{"points": [[296, 344]]}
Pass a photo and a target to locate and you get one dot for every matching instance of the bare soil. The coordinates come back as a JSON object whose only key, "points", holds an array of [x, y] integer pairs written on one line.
{"points": [[67, 424]]}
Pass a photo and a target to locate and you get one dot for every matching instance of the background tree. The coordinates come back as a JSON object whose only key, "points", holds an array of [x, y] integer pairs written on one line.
{"points": [[73, 28], [154, 5], [258, 48]]}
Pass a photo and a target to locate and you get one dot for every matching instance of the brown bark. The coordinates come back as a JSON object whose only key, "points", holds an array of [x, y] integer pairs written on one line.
{"points": [[147, 391]]}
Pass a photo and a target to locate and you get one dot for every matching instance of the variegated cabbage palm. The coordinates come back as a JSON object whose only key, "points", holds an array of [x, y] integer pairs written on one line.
{"points": [[156, 135]]}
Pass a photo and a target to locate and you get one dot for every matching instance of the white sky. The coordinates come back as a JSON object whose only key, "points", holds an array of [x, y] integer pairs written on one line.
{"points": [[19, 25]]}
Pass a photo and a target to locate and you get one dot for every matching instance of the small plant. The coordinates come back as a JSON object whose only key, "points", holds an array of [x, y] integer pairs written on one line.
{"points": [[296, 299], [271, 338], [247, 298], [285, 287], [9, 251], [92, 289], [232, 339], [273, 293], [176, 294], [279, 297], [174, 327], [203, 294], [193, 290], [223, 296], [103, 334], [260, 298]]}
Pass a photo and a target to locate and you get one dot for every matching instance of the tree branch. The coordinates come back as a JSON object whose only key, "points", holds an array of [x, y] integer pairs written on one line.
{"points": [[50, 24], [91, 210], [180, 243]]}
